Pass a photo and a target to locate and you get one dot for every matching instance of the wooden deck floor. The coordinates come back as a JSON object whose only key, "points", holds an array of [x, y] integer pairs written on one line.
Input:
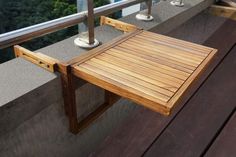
{"points": [[202, 124]]}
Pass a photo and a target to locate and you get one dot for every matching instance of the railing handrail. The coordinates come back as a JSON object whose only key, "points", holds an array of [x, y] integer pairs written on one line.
{"points": [[21, 35]]}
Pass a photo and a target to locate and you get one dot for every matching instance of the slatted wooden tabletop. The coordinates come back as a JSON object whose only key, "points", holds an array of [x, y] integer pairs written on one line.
{"points": [[150, 69]]}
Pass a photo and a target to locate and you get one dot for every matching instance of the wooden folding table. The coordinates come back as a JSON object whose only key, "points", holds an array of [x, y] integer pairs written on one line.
{"points": [[150, 69]]}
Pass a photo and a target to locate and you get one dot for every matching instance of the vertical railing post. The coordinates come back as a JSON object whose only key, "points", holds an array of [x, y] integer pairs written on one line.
{"points": [[87, 39], [90, 21], [147, 16], [149, 7]]}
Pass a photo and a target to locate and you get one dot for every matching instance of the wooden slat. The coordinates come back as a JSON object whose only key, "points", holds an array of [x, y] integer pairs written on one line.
{"points": [[140, 76], [172, 56], [96, 51], [191, 47], [109, 58], [156, 57], [134, 58], [170, 49], [155, 96], [121, 90], [130, 78]]}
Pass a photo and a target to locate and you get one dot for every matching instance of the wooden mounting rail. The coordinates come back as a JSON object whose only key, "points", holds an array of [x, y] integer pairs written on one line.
{"points": [[125, 27], [39, 59], [223, 11], [227, 3]]}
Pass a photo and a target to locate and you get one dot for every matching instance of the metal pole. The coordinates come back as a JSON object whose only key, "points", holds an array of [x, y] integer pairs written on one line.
{"points": [[90, 20], [149, 6]]}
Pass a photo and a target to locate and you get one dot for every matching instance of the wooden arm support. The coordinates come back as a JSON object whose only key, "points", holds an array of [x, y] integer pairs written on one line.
{"points": [[68, 85], [125, 27], [228, 3], [227, 12], [39, 59]]}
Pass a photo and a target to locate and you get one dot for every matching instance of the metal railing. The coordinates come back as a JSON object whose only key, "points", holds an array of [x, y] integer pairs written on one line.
{"points": [[28, 33]]}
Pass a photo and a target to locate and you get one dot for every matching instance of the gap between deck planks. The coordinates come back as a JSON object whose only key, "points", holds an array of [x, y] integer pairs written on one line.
{"points": [[132, 139], [196, 125], [224, 145]]}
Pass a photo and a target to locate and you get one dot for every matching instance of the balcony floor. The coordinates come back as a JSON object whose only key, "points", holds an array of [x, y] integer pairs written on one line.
{"points": [[202, 124]]}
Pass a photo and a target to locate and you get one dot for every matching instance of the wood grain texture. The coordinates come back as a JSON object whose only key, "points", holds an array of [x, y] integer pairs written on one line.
{"points": [[117, 24], [39, 59], [96, 51], [128, 71]]}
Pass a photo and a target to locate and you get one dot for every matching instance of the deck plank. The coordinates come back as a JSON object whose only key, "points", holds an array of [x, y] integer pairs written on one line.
{"points": [[137, 134], [224, 145]]}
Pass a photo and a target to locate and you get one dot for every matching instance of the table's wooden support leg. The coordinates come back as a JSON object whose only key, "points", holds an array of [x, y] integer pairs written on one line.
{"points": [[110, 99], [70, 99], [68, 86]]}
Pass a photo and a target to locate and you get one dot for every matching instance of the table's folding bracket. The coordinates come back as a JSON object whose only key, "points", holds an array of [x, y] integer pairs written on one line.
{"points": [[68, 85], [125, 27], [68, 88]]}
